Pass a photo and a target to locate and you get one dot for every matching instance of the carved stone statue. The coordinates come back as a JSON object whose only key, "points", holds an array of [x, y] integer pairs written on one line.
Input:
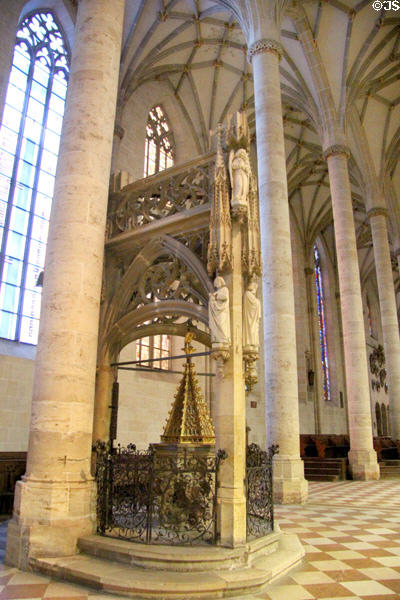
{"points": [[240, 173], [218, 313], [251, 318]]}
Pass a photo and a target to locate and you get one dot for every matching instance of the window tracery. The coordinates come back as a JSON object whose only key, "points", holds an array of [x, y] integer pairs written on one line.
{"points": [[159, 151], [156, 346], [322, 325], [29, 142]]}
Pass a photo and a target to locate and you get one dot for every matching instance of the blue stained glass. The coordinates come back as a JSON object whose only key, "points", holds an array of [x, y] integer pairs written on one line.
{"points": [[26, 173], [21, 59], [322, 325], [11, 118], [12, 270], [29, 330], [19, 220], [8, 139], [40, 68], [8, 323], [15, 245], [32, 275], [38, 92], [9, 297], [22, 197], [18, 78], [15, 97]]}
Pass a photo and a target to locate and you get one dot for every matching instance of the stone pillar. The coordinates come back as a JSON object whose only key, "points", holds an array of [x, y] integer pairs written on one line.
{"points": [[102, 404], [390, 327], [278, 294], [230, 414], [362, 456], [54, 502]]}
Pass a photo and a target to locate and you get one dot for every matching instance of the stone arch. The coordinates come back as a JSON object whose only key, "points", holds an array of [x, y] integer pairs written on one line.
{"points": [[120, 321]]}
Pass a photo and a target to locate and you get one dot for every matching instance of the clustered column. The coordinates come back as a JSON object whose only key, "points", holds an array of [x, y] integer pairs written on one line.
{"points": [[362, 457], [377, 218], [54, 503], [278, 293]]}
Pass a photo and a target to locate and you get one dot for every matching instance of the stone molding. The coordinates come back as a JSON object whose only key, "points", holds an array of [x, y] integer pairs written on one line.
{"points": [[265, 45], [336, 149], [377, 211]]}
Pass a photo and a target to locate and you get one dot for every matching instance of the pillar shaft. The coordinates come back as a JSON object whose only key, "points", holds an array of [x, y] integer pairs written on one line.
{"points": [[362, 457], [230, 414], [278, 294], [387, 303], [54, 502]]}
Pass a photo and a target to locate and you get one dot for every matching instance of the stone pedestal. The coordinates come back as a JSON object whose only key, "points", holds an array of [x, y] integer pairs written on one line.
{"points": [[389, 320], [53, 502], [362, 457]]}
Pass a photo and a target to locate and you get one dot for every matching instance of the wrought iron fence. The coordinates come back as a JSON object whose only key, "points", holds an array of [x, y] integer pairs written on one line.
{"points": [[259, 492], [153, 497]]}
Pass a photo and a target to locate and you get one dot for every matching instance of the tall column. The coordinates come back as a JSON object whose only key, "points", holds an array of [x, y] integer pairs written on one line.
{"points": [[278, 293], [230, 414], [387, 302], [362, 457], [54, 502]]}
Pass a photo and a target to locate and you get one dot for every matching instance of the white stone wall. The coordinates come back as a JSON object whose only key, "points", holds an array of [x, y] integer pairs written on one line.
{"points": [[16, 380]]}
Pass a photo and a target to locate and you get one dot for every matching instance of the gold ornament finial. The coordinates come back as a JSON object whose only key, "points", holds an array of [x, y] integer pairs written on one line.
{"points": [[189, 421]]}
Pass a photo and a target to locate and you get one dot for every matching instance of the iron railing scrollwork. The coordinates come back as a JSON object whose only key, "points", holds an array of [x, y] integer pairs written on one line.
{"points": [[259, 490], [155, 497]]}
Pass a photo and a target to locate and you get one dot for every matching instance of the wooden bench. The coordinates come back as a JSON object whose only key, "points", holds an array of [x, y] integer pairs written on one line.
{"points": [[12, 467]]}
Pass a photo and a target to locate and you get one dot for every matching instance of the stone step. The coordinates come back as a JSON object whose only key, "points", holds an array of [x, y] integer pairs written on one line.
{"points": [[321, 477], [175, 558], [140, 583]]}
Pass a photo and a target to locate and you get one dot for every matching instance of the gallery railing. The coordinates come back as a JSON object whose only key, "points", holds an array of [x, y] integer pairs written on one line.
{"points": [[259, 490], [172, 191], [145, 496]]}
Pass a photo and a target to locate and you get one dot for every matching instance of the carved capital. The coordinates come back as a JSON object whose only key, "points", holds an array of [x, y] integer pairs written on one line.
{"points": [[265, 45], [336, 149], [377, 211]]}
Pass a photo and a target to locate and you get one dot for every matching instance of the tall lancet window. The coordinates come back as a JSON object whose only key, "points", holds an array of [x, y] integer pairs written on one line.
{"points": [[322, 325], [159, 147], [29, 141]]}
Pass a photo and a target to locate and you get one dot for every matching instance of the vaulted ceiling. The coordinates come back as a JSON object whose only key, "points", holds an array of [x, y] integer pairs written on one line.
{"points": [[198, 50]]}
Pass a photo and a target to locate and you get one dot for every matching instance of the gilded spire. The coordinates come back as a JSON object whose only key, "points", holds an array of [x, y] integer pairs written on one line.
{"points": [[189, 421]]}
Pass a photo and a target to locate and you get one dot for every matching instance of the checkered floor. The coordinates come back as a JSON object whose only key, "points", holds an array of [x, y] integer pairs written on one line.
{"points": [[350, 531]]}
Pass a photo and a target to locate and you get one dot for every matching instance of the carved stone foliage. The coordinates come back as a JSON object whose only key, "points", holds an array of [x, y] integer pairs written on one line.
{"points": [[168, 279], [166, 196], [197, 242], [377, 368], [220, 246]]}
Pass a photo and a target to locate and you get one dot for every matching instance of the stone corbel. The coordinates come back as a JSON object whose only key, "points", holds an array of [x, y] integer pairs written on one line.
{"points": [[250, 356], [221, 353]]}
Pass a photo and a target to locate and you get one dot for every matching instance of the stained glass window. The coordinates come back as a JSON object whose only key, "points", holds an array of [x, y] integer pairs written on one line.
{"points": [[29, 141], [159, 152], [157, 346], [322, 325]]}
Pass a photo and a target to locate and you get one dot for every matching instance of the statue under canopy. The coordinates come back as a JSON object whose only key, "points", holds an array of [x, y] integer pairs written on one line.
{"points": [[218, 313], [251, 318]]}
